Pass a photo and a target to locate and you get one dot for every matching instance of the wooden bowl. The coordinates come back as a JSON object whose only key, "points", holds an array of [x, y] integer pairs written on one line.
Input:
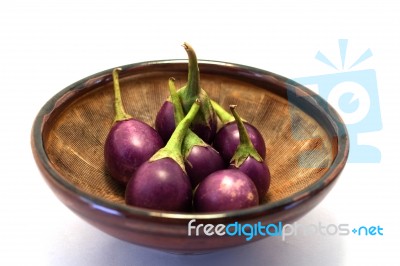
{"points": [[307, 148]]}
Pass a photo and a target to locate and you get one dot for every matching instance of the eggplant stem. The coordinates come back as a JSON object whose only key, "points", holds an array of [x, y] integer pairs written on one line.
{"points": [[173, 148], [175, 142], [243, 134], [193, 84], [176, 102], [222, 114], [120, 113]]}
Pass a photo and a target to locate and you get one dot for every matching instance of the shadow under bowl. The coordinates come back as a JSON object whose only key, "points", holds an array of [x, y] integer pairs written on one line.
{"points": [[307, 148]]}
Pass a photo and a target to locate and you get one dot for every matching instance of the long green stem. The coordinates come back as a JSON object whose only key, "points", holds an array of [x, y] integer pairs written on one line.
{"points": [[243, 134], [193, 84], [191, 139], [223, 115], [173, 148], [176, 102], [192, 91], [175, 142], [120, 113]]}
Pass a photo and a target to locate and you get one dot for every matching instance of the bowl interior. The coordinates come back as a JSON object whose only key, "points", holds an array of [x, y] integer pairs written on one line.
{"points": [[299, 150]]}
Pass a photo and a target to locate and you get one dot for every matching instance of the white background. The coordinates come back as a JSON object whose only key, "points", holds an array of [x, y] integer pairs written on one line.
{"points": [[47, 45]]}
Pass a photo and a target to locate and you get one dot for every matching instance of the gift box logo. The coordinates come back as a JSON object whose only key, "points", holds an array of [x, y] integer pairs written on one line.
{"points": [[354, 95]]}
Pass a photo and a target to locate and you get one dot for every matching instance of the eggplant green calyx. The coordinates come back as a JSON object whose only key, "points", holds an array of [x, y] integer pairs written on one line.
{"points": [[245, 147], [120, 113], [191, 139], [173, 148]]}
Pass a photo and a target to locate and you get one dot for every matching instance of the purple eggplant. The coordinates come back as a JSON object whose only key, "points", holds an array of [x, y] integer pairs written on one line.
{"points": [[227, 139], [161, 183], [247, 159], [202, 161], [225, 190], [200, 158], [129, 143], [165, 122], [205, 123]]}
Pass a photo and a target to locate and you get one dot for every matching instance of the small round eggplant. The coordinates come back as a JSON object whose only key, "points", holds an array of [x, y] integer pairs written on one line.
{"points": [[205, 123], [129, 143], [200, 158], [165, 123], [161, 183], [227, 139], [225, 190], [201, 161], [247, 159], [258, 172]]}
